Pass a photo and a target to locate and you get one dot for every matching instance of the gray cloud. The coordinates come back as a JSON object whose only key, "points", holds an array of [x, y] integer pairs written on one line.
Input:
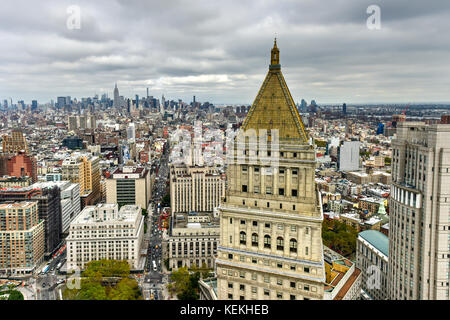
{"points": [[220, 50]]}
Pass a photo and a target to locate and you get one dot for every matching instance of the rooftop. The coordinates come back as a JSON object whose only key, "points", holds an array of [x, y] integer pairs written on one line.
{"points": [[376, 239]]}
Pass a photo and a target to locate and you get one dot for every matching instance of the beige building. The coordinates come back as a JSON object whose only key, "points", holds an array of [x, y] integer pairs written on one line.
{"points": [[419, 234], [194, 188], [129, 185], [105, 232], [22, 242], [84, 169], [193, 240], [271, 216], [14, 143]]}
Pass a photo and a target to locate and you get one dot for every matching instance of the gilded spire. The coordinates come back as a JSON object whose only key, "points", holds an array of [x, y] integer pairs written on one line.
{"points": [[274, 107], [275, 55]]}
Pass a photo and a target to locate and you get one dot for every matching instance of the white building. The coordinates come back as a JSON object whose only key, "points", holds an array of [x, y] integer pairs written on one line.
{"points": [[105, 232], [348, 156], [70, 200]]}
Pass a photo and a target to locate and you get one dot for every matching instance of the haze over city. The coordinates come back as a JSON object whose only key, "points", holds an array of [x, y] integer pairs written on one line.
{"points": [[218, 50]]}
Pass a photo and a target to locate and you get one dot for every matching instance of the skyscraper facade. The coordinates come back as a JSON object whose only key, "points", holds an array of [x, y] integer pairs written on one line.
{"points": [[116, 97], [271, 217], [419, 234]]}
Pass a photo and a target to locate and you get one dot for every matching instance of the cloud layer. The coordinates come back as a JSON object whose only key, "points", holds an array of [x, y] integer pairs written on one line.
{"points": [[219, 51]]}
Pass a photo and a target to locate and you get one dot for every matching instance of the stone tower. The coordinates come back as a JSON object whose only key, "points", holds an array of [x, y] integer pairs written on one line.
{"points": [[271, 217]]}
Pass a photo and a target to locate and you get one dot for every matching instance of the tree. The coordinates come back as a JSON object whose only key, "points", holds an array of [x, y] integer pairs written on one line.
{"points": [[106, 280], [339, 237], [166, 200], [15, 295], [186, 284]]}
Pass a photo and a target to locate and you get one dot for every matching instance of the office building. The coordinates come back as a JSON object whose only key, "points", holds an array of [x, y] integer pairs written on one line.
{"points": [[70, 200], [129, 185], [195, 188], [271, 215], [193, 240], [21, 238], [105, 232], [372, 254], [419, 256]]}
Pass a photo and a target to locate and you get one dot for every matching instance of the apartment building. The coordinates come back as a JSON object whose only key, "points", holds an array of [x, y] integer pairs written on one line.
{"points": [[22, 238], [84, 169]]}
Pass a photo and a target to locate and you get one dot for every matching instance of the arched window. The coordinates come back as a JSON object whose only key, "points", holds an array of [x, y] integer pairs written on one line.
{"points": [[280, 243], [255, 240], [267, 241], [242, 238], [293, 245]]}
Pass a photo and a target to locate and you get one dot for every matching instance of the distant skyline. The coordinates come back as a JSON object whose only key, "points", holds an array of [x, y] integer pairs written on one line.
{"points": [[219, 51]]}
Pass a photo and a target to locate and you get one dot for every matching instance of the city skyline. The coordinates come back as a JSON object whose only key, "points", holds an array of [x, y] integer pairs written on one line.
{"points": [[180, 51]]}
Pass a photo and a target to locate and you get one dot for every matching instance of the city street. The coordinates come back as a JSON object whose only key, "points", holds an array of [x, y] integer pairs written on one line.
{"points": [[154, 278]]}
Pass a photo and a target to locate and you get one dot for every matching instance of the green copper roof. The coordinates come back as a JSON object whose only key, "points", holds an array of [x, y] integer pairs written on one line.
{"points": [[376, 239]]}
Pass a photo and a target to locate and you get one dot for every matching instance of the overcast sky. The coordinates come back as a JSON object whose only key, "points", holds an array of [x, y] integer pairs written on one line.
{"points": [[220, 50]]}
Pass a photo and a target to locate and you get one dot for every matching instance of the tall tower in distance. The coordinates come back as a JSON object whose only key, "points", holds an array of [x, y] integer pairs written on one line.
{"points": [[116, 97], [271, 216], [419, 214]]}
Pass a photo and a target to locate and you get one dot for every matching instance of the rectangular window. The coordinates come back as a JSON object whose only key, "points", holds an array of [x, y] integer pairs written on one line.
{"points": [[281, 191], [244, 188], [294, 192]]}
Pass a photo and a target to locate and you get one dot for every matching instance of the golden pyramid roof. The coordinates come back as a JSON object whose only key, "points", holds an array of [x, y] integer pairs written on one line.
{"points": [[274, 107]]}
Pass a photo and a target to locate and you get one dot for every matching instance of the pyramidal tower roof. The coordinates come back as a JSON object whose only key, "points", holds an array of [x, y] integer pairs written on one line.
{"points": [[274, 107]]}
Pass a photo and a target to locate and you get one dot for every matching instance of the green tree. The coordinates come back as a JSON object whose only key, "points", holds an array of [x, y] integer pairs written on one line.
{"points": [[92, 290], [15, 295], [166, 200]]}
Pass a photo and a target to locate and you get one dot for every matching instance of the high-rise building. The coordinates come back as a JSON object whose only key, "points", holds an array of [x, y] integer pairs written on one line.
{"points": [[49, 208], [344, 109], [194, 188], [419, 213], [70, 200], [116, 97], [105, 232], [61, 102], [348, 156], [34, 105], [84, 169], [129, 185], [271, 215], [14, 143], [21, 238]]}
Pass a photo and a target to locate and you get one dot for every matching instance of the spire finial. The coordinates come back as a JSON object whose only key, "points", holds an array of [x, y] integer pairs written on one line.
{"points": [[275, 55]]}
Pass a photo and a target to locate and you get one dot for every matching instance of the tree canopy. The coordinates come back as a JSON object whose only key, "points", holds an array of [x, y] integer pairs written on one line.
{"points": [[339, 236], [106, 280]]}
